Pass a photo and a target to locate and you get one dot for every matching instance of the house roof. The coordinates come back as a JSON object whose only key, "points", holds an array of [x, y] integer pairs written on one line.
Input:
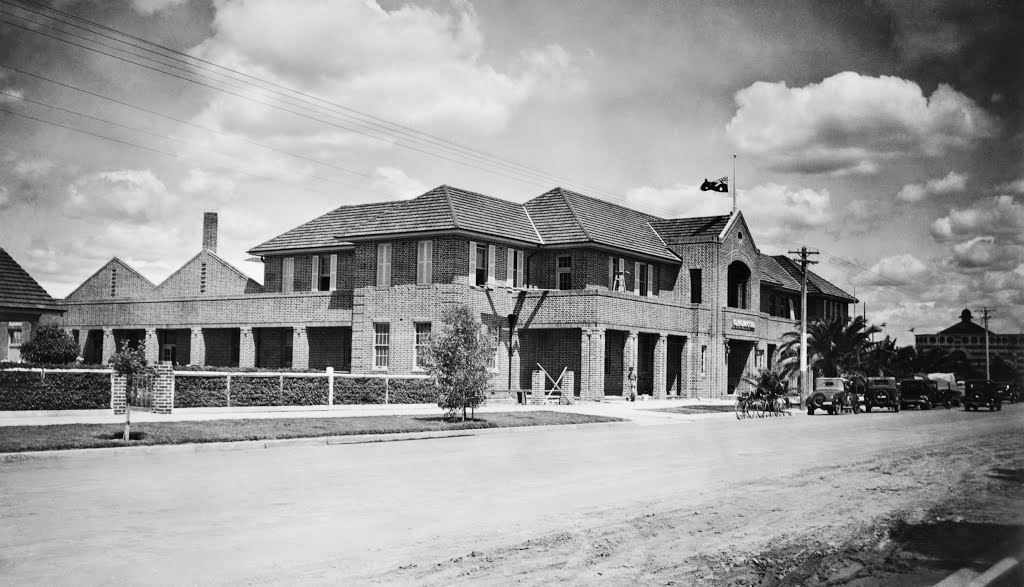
{"points": [[18, 290], [442, 208], [680, 229], [815, 283], [773, 273], [563, 216]]}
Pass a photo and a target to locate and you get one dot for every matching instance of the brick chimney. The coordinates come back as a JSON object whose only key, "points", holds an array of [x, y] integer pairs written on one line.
{"points": [[210, 231]]}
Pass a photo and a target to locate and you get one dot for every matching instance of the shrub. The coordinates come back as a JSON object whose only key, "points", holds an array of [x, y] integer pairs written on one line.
{"points": [[21, 390], [350, 391], [255, 391], [50, 344], [305, 391], [458, 358], [201, 392], [411, 391]]}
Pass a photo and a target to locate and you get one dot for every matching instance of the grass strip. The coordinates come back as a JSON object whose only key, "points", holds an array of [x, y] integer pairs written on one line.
{"points": [[67, 436], [697, 409]]}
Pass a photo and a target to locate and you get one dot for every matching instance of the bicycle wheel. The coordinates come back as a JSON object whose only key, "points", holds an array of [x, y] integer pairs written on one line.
{"points": [[739, 408]]}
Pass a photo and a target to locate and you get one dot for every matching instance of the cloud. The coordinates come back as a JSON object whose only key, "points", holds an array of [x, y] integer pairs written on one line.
{"points": [[771, 209], [986, 252], [150, 6], [1001, 216], [894, 271], [213, 188], [5, 197], [135, 194], [415, 65], [851, 122], [915, 192], [392, 184], [1016, 186]]}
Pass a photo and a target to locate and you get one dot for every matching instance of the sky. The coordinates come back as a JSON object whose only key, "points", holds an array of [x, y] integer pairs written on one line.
{"points": [[886, 134]]}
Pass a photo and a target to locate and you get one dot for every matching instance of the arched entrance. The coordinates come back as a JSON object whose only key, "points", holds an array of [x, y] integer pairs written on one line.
{"points": [[738, 285]]}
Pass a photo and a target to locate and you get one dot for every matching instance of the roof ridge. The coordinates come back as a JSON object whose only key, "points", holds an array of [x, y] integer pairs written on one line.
{"points": [[451, 206], [533, 225], [575, 216], [606, 202]]}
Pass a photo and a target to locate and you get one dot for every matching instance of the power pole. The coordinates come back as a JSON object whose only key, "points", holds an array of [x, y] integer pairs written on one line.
{"points": [[804, 262], [985, 313]]}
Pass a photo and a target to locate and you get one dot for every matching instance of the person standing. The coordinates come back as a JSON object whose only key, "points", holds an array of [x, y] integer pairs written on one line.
{"points": [[631, 378]]}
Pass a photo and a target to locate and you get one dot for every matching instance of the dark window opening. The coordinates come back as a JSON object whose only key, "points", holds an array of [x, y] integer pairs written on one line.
{"points": [[696, 287]]}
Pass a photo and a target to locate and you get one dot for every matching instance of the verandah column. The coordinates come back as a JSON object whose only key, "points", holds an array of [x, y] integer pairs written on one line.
{"points": [[246, 347], [108, 346], [152, 347], [660, 366], [197, 347], [300, 348]]}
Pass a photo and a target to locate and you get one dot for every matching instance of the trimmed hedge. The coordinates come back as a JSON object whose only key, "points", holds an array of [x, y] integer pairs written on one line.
{"points": [[371, 390], [201, 392], [21, 390], [266, 391], [410, 391], [305, 391], [26, 365]]}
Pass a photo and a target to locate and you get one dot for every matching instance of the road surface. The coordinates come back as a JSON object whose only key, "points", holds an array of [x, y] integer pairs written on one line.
{"points": [[391, 512]]}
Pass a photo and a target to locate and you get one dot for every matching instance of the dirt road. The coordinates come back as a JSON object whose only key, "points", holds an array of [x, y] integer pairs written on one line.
{"points": [[790, 500]]}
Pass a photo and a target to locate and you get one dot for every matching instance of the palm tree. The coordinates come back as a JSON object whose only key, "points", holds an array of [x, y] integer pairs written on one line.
{"points": [[836, 347]]}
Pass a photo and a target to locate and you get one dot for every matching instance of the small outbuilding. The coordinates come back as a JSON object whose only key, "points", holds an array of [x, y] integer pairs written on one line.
{"points": [[22, 302]]}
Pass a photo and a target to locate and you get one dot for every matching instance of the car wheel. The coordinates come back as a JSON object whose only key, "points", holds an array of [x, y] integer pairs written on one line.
{"points": [[949, 405], [810, 411], [999, 408], [896, 408], [867, 407]]}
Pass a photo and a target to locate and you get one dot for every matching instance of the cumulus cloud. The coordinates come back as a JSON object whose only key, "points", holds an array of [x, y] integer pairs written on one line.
{"points": [[1016, 186], [986, 252], [1001, 216], [5, 196], [895, 270], [915, 192], [414, 64], [392, 184], [151, 6], [135, 194], [208, 185], [772, 208], [850, 122]]}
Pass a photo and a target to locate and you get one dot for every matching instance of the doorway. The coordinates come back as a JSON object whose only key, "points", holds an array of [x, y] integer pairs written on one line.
{"points": [[738, 356]]}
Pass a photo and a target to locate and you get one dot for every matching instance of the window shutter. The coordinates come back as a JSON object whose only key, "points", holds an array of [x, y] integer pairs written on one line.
{"points": [[380, 263], [420, 269], [490, 263], [520, 275], [334, 272], [611, 273], [472, 263], [315, 281], [650, 280], [510, 268], [636, 277], [428, 263], [384, 264], [288, 274]]}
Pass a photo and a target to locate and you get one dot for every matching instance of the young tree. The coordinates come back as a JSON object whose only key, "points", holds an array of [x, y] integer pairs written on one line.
{"points": [[458, 358], [130, 362], [50, 345]]}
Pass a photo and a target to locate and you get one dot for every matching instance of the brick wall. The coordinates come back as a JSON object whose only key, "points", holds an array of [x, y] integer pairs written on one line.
{"points": [[189, 279], [127, 284]]}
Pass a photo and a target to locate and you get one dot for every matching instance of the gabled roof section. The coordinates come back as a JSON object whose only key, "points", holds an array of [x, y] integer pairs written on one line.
{"points": [[126, 281], [773, 273], [19, 290], [221, 278], [442, 208], [675, 230], [815, 283], [564, 216]]}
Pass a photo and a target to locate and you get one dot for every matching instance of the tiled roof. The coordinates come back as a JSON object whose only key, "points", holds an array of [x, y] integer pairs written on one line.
{"points": [[18, 290], [815, 283], [773, 273], [677, 229], [563, 216], [442, 208]]}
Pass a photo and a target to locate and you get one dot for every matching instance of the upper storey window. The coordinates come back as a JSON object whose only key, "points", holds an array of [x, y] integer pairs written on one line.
{"points": [[424, 262], [515, 266], [325, 272], [739, 285], [384, 264], [563, 271], [287, 274], [481, 263]]}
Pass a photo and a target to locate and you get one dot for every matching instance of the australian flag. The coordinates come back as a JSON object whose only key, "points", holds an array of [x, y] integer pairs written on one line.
{"points": [[719, 185]]}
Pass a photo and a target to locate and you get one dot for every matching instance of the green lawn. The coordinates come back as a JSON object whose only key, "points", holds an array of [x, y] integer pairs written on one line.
{"points": [[63, 436], [697, 409]]}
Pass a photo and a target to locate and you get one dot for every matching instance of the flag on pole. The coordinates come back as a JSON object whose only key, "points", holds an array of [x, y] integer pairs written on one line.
{"points": [[719, 185]]}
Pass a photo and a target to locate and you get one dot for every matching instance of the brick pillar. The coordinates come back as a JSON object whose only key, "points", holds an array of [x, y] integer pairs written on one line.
{"points": [[592, 364], [300, 348], [152, 347], [197, 347], [568, 384], [118, 389], [83, 340], [514, 361], [108, 346], [660, 366], [629, 360], [163, 390], [246, 348]]}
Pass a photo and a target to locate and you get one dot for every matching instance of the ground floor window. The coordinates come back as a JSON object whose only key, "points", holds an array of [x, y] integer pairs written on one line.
{"points": [[381, 345], [422, 341], [703, 359]]}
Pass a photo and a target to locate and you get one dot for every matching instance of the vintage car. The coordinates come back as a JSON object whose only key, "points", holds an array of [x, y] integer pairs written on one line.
{"points": [[980, 393], [881, 392], [1006, 391], [832, 394], [919, 392], [950, 392]]}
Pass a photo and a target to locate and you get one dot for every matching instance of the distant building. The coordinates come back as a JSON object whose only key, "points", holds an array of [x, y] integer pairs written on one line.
{"points": [[965, 342], [563, 280], [22, 303]]}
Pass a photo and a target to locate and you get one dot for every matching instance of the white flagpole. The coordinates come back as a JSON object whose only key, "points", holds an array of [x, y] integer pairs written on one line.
{"points": [[735, 188]]}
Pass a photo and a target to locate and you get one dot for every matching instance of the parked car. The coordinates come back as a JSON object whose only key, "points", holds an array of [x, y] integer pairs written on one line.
{"points": [[1006, 391], [980, 393], [881, 392], [919, 392], [949, 393], [832, 394]]}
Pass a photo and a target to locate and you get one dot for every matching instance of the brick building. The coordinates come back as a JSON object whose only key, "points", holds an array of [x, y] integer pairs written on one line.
{"points": [[964, 342], [564, 280], [22, 304]]}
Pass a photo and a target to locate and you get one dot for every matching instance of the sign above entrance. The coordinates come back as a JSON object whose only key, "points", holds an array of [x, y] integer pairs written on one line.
{"points": [[747, 325]]}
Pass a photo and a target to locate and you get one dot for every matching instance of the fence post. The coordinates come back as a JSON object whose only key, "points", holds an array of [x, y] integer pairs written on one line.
{"points": [[386, 389], [330, 386]]}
